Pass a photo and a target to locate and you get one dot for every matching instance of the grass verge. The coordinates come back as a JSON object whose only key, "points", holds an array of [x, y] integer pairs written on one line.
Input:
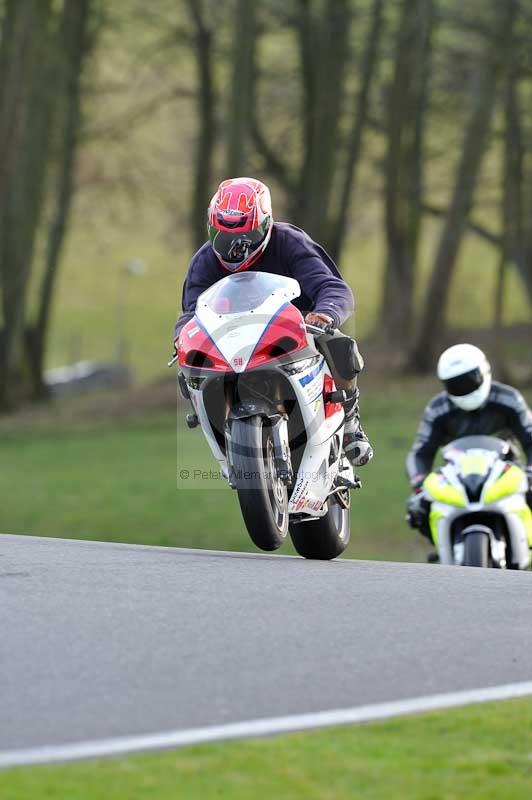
{"points": [[115, 480], [477, 753]]}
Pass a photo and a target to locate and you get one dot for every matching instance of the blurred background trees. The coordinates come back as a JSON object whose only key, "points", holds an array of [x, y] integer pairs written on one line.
{"points": [[42, 51], [397, 132]]}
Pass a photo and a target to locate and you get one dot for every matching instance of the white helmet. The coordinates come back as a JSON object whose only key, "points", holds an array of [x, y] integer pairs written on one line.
{"points": [[466, 376]]}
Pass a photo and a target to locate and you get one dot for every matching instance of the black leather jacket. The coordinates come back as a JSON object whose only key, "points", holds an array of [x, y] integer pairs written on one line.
{"points": [[504, 414]]}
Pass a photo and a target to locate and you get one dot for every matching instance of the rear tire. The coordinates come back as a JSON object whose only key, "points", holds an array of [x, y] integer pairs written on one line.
{"points": [[262, 496], [476, 550], [326, 537]]}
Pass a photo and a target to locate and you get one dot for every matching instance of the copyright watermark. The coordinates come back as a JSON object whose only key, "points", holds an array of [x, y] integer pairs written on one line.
{"points": [[201, 477]]}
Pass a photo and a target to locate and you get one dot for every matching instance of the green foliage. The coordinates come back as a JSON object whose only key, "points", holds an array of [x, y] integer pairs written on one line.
{"points": [[478, 753]]}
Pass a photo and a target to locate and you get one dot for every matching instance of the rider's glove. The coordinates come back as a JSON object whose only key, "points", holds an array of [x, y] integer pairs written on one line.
{"points": [[417, 482], [417, 509], [319, 320]]}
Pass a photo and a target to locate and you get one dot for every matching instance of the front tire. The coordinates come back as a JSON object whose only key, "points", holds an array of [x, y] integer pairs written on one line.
{"points": [[326, 537], [262, 495], [476, 549]]}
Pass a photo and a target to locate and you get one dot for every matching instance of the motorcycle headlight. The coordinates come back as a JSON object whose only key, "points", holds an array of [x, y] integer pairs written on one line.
{"points": [[300, 366]]}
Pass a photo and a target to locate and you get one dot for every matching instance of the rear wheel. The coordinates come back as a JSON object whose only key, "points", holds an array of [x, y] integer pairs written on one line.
{"points": [[327, 536], [476, 549], [261, 493]]}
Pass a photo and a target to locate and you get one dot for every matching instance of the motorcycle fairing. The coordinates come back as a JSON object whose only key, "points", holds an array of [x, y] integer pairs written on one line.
{"points": [[195, 348], [244, 313], [439, 489], [511, 481], [196, 398], [525, 515], [318, 468], [240, 338]]}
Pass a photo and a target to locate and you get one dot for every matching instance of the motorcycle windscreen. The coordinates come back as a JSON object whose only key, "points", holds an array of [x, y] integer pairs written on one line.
{"points": [[459, 446], [247, 291]]}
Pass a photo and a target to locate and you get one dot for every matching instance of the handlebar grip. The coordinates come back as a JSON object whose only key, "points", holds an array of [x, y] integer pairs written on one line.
{"points": [[317, 330]]}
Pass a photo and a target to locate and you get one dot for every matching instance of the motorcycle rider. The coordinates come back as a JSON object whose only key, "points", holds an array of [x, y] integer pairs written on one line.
{"points": [[471, 404], [242, 235]]}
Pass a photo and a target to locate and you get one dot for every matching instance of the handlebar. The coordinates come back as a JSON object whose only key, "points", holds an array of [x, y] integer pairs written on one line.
{"points": [[318, 330]]}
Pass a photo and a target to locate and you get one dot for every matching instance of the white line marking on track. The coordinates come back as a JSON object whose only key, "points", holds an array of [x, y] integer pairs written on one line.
{"points": [[122, 745]]}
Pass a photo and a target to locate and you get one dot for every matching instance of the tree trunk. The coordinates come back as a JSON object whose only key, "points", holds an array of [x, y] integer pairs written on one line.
{"points": [[73, 38], [360, 114], [423, 352], [323, 29], [15, 46], [517, 224], [514, 220], [403, 170], [324, 46], [239, 117], [32, 98], [206, 121]]}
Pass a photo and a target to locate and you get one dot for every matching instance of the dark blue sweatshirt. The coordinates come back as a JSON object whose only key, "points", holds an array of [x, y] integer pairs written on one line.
{"points": [[291, 252]]}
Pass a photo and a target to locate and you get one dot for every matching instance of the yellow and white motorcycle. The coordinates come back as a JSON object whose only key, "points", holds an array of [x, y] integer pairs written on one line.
{"points": [[479, 516]]}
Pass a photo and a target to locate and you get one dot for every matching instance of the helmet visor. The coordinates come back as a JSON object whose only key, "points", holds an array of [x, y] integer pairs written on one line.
{"points": [[234, 248], [464, 384]]}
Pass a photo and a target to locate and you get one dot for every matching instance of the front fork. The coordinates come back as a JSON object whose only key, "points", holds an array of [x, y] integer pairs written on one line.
{"points": [[281, 443], [281, 449]]}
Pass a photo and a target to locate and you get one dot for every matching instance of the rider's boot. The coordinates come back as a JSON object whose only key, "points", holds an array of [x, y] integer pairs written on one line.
{"points": [[356, 444]]}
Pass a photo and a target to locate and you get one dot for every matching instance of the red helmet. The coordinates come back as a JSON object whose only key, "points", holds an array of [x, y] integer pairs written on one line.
{"points": [[240, 222]]}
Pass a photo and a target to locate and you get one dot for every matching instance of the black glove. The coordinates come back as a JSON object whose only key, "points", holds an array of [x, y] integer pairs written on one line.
{"points": [[417, 510], [412, 511], [413, 506]]}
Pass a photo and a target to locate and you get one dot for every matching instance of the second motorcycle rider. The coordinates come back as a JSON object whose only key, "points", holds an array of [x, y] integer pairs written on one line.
{"points": [[242, 235]]}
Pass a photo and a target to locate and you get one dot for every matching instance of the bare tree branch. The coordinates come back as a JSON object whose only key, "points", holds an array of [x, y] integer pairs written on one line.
{"points": [[495, 239]]}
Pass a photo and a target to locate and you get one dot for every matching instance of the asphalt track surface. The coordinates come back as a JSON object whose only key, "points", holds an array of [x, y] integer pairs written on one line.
{"points": [[102, 640]]}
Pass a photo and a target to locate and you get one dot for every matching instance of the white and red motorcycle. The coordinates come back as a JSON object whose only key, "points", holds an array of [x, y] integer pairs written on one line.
{"points": [[270, 411]]}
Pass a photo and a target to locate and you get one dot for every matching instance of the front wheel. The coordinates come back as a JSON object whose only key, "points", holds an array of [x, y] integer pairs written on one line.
{"points": [[327, 536], [476, 549], [261, 493]]}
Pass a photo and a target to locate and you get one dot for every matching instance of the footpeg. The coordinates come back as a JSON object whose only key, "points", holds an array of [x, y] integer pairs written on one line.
{"points": [[356, 483], [192, 420]]}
